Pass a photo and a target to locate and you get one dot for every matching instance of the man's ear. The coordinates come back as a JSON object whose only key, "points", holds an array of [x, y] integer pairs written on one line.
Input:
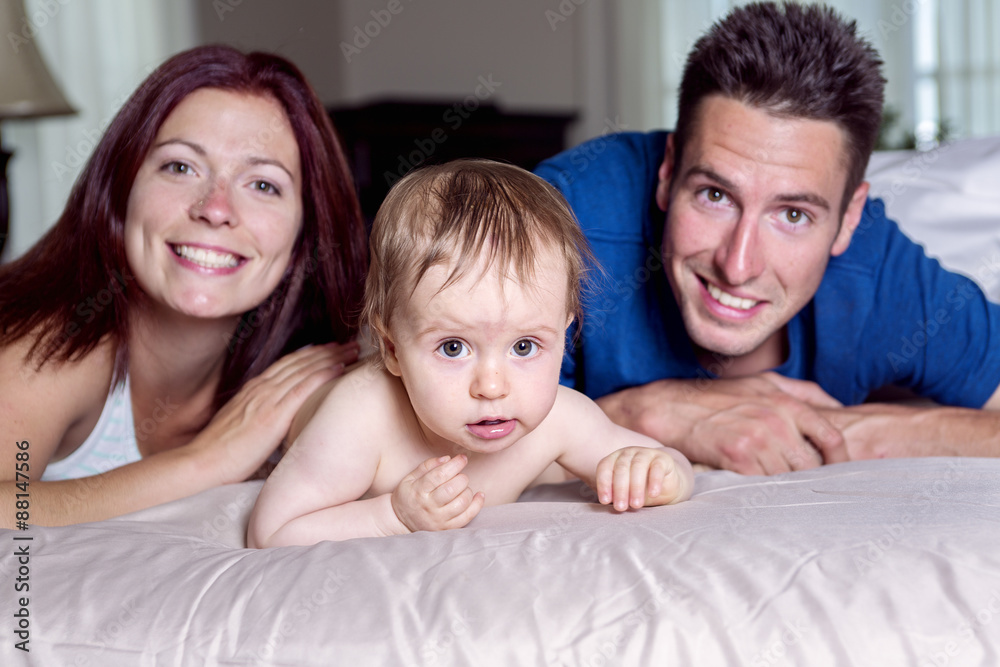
{"points": [[851, 220], [389, 356], [664, 175]]}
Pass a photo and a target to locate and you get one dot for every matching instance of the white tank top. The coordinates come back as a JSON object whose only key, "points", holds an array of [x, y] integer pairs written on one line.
{"points": [[110, 445]]}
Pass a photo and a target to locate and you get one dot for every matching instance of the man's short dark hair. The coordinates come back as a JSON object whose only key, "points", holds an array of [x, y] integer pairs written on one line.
{"points": [[800, 61]]}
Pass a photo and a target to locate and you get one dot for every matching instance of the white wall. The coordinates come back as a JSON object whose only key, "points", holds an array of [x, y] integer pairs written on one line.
{"points": [[304, 31], [616, 64], [883, 22], [544, 55]]}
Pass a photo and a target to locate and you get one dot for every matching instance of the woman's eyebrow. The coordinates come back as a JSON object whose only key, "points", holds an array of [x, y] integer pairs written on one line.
{"points": [[200, 150]]}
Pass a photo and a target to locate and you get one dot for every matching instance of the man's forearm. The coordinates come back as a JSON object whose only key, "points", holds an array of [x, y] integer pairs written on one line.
{"points": [[885, 430], [748, 425]]}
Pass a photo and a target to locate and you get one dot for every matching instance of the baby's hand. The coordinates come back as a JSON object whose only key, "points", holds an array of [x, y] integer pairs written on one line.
{"points": [[642, 476], [436, 496]]}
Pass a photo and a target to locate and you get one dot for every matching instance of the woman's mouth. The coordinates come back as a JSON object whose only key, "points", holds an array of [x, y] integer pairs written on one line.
{"points": [[209, 259]]}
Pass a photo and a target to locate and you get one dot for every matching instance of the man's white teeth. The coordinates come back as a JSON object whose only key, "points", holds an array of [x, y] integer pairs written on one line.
{"points": [[727, 299], [207, 258]]}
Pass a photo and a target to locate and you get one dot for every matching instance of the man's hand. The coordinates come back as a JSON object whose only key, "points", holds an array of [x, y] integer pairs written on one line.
{"points": [[642, 476], [761, 424], [436, 496]]}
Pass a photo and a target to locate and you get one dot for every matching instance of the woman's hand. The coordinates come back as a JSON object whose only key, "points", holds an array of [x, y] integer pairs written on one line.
{"points": [[248, 428]]}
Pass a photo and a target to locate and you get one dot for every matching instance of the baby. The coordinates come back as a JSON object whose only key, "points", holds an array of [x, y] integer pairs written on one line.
{"points": [[475, 276]]}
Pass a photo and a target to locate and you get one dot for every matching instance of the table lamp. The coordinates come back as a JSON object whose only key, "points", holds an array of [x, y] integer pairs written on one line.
{"points": [[26, 87]]}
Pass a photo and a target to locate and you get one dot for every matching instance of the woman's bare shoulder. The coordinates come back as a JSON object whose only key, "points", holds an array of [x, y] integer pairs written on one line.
{"points": [[53, 405]]}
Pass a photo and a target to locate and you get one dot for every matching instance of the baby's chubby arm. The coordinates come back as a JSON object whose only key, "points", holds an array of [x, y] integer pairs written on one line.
{"points": [[317, 492], [322, 488], [625, 468]]}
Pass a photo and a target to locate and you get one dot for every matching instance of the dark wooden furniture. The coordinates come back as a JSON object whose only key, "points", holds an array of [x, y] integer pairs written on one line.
{"points": [[385, 140]]}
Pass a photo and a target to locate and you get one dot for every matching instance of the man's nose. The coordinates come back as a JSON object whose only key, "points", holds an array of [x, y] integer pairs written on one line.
{"points": [[739, 257]]}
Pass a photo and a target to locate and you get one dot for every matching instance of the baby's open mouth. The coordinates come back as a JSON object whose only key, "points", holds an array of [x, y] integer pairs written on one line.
{"points": [[490, 429]]}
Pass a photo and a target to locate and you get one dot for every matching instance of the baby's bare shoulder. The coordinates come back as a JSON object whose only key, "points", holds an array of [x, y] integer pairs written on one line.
{"points": [[574, 409], [358, 393]]}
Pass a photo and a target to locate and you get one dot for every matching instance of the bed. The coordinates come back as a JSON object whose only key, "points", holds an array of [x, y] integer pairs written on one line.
{"points": [[889, 562]]}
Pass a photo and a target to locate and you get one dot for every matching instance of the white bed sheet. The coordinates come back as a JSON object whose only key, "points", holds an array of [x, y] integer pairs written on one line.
{"points": [[891, 562]]}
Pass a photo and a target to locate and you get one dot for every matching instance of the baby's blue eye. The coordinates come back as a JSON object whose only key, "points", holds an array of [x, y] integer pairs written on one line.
{"points": [[525, 348], [453, 349]]}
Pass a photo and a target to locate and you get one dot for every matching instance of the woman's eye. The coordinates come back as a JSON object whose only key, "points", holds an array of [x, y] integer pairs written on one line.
{"points": [[453, 349], [177, 168], [266, 187], [525, 348]]}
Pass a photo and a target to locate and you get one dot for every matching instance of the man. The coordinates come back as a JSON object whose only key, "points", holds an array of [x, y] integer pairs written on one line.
{"points": [[781, 294]]}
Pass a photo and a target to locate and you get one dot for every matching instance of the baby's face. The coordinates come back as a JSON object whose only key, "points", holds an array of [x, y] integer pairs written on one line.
{"points": [[480, 358]]}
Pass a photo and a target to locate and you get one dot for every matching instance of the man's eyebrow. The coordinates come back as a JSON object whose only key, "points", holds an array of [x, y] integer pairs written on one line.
{"points": [[807, 198], [804, 197], [698, 170], [200, 150]]}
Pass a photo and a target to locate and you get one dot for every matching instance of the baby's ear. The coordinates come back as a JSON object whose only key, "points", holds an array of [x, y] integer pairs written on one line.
{"points": [[569, 320], [389, 355]]}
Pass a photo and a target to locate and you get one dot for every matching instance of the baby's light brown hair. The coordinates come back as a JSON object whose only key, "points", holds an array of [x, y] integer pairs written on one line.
{"points": [[451, 214]]}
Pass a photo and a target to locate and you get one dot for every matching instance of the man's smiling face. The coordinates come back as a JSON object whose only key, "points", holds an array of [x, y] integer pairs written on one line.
{"points": [[753, 216]]}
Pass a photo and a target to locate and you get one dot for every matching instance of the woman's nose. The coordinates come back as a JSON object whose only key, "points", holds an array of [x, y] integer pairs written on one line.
{"points": [[214, 206]]}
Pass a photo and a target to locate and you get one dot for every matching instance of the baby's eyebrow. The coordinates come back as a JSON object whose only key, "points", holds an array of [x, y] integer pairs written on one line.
{"points": [[459, 327]]}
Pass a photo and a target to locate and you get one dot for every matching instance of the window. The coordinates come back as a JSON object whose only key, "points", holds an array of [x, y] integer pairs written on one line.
{"points": [[957, 73]]}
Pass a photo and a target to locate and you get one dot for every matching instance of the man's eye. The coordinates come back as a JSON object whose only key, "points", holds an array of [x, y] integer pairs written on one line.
{"points": [[713, 195], [453, 349], [525, 348], [795, 217]]}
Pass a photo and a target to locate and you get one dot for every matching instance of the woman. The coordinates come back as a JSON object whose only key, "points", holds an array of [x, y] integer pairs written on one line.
{"points": [[215, 229]]}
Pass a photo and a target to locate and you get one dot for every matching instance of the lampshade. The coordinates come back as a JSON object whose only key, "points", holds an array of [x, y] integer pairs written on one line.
{"points": [[26, 87]]}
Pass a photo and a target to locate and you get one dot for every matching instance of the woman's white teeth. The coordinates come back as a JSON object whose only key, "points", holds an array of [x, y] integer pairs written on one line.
{"points": [[208, 258], [727, 299]]}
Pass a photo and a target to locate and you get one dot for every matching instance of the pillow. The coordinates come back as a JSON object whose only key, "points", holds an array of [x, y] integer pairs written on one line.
{"points": [[948, 200]]}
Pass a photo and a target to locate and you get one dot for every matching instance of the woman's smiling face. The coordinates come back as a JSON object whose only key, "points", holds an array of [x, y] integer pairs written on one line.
{"points": [[216, 206]]}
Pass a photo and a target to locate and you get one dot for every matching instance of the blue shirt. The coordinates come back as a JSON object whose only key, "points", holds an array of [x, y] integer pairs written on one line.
{"points": [[884, 313]]}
